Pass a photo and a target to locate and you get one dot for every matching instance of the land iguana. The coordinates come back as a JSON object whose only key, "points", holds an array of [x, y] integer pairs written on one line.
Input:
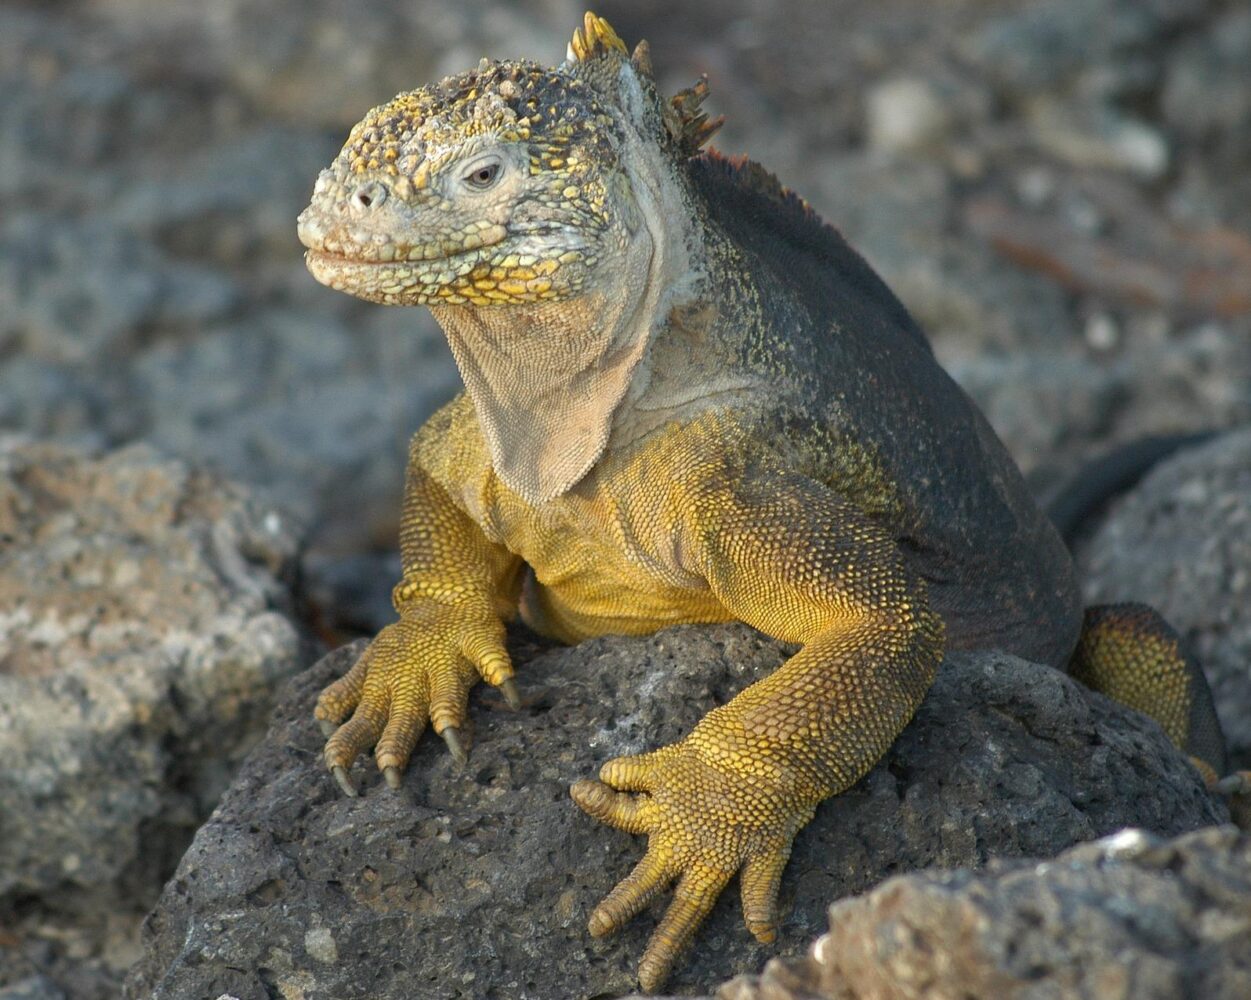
{"points": [[688, 400]]}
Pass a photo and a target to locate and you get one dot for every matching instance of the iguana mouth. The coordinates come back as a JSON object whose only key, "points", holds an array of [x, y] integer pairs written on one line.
{"points": [[391, 276], [314, 238]]}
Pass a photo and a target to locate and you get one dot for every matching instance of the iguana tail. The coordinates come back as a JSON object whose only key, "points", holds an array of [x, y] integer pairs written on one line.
{"points": [[1110, 475]]}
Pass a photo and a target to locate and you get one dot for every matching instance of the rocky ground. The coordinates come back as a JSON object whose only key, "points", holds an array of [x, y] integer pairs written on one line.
{"points": [[478, 883], [1059, 189]]}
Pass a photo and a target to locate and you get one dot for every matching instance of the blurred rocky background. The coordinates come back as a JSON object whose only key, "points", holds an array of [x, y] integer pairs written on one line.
{"points": [[1060, 190]]}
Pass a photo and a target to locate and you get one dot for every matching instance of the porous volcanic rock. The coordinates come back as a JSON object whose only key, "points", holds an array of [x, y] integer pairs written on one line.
{"points": [[144, 625], [478, 883], [1129, 917]]}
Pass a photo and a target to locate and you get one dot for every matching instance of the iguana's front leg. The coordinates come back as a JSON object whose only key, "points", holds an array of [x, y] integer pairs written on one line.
{"points": [[791, 558], [456, 586]]}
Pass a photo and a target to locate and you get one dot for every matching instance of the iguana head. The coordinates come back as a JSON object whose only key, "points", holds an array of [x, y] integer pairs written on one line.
{"points": [[501, 185], [540, 213]]}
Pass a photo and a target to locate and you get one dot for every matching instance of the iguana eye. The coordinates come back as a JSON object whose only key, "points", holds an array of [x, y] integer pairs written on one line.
{"points": [[483, 175]]}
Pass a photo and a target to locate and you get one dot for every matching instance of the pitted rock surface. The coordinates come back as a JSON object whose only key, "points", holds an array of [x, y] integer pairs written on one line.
{"points": [[1130, 916], [144, 625], [478, 883]]}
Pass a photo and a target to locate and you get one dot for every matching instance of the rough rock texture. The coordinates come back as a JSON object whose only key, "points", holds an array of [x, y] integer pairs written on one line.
{"points": [[1130, 917], [479, 883], [144, 624], [1181, 541]]}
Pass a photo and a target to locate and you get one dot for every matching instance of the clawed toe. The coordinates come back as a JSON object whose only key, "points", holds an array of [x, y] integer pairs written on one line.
{"points": [[508, 689], [345, 782], [451, 736]]}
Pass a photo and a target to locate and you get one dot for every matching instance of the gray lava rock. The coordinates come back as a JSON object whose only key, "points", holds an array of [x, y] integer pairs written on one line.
{"points": [[306, 406], [479, 883], [121, 292], [1046, 44], [1207, 92], [143, 627], [1130, 917], [372, 50], [1181, 542]]}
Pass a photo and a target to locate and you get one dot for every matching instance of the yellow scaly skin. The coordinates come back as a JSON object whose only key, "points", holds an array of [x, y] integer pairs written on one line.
{"points": [[688, 401], [732, 795]]}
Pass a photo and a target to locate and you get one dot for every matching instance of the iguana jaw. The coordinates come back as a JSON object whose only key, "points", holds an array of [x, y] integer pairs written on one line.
{"points": [[546, 377], [497, 268]]}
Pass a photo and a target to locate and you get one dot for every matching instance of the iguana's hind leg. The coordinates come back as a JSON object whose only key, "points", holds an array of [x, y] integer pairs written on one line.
{"points": [[1131, 654]]}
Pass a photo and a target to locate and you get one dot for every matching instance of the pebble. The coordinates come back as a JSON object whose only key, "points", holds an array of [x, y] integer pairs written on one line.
{"points": [[905, 115]]}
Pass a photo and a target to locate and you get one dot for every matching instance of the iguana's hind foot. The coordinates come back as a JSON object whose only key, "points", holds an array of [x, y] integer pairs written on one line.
{"points": [[1131, 654]]}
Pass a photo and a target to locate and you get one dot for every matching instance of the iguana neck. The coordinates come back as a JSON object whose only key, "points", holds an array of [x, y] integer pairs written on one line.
{"points": [[546, 378]]}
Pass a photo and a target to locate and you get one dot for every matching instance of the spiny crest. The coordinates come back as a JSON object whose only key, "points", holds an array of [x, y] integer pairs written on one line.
{"points": [[691, 127], [596, 42], [749, 177], [593, 38]]}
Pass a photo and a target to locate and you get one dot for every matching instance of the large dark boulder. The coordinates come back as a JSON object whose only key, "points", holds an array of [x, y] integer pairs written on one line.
{"points": [[478, 882]]}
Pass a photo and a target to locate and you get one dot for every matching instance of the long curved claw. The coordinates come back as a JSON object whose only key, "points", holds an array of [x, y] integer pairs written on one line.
{"points": [[349, 741], [327, 727], [341, 776], [508, 688], [392, 777], [451, 736]]}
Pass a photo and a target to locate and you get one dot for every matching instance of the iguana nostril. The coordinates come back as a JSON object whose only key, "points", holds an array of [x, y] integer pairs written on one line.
{"points": [[369, 195]]}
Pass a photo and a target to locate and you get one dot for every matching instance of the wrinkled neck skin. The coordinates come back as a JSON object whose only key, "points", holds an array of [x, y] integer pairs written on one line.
{"points": [[553, 382]]}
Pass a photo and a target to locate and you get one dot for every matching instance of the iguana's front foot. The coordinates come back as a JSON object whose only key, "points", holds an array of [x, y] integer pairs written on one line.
{"points": [[417, 669], [704, 823]]}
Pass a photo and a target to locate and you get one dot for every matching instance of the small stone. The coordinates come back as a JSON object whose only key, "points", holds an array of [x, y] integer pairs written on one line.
{"points": [[1036, 186], [1102, 332], [1098, 137], [320, 944], [905, 115]]}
